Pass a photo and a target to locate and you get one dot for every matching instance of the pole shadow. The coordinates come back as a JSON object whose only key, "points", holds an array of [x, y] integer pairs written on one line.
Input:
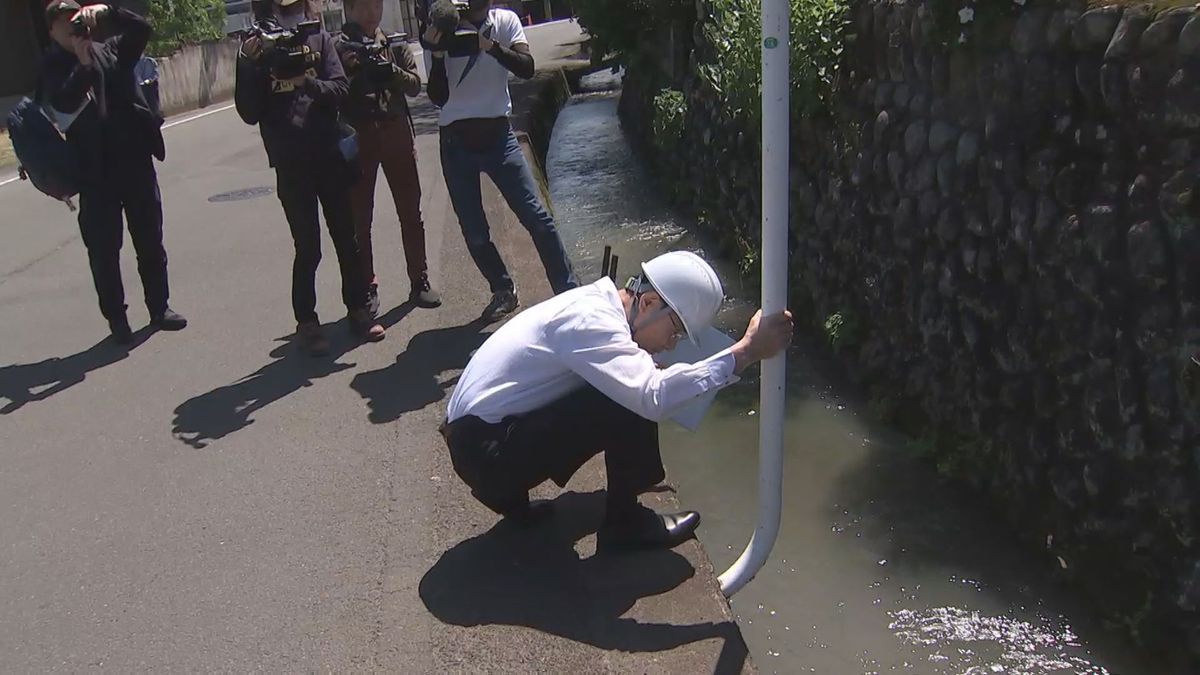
{"points": [[218, 413], [23, 383], [533, 577], [411, 383]]}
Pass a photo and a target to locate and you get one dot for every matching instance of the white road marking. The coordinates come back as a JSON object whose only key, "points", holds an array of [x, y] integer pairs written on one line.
{"points": [[168, 125]]}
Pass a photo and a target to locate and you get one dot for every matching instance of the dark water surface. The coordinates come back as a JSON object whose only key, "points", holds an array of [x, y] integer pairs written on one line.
{"points": [[880, 567]]}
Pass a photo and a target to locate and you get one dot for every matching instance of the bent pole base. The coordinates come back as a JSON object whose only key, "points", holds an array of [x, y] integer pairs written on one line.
{"points": [[775, 172]]}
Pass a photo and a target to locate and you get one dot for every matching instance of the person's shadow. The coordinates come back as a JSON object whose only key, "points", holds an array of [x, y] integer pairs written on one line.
{"points": [[411, 383], [23, 383], [216, 414], [533, 577]]}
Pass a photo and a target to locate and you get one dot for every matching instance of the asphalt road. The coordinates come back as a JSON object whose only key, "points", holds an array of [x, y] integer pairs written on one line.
{"points": [[216, 500]]}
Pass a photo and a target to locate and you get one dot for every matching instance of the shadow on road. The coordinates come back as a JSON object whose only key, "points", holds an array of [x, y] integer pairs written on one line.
{"points": [[533, 577], [424, 116], [411, 383], [216, 414], [23, 383]]}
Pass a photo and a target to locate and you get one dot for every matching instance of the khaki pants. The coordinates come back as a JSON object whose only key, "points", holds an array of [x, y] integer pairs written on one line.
{"points": [[389, 143]]}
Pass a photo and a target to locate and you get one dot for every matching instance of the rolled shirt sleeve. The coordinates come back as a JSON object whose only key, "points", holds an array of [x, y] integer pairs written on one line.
{"points": [[601, 350]]}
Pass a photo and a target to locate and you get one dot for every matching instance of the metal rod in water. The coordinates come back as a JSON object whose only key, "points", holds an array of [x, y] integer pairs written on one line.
{"points": [[604, 263], [612, 271], [775, 51]]}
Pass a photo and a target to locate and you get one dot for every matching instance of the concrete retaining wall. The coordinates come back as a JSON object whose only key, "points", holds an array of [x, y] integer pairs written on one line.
{"points": [[197, 76]]}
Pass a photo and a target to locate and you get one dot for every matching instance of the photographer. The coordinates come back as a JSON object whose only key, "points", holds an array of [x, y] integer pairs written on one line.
{"points": [[290, 82], [115, 134], [470, 85], [381, 75]]}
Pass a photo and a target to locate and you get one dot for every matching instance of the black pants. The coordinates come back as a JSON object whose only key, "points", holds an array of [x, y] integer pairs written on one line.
{"points": [[502, 462], [300, 187], [129, 187]]}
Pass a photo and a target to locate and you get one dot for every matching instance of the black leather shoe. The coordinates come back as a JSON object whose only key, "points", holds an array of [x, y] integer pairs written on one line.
{"points": [[169, 320], [646, 529], [422, 294], [121, 332]]}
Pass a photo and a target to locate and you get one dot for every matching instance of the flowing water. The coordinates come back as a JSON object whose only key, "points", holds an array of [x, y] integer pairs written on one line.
{"points": [[880, 566]]}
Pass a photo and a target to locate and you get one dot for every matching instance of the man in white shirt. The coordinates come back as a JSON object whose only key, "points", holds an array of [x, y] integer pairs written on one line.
{"points": [[574, 376], [476, 137]]}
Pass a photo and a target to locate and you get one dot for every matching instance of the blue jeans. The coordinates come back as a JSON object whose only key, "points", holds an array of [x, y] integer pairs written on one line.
{"points": [[502, 160]]}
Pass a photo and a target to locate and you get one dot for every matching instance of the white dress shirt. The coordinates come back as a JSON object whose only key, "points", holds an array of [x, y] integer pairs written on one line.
{"points": [[577, 338]]}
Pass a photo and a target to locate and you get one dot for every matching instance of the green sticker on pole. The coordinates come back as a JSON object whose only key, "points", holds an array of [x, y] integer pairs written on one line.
{"points": [[770, 43]]}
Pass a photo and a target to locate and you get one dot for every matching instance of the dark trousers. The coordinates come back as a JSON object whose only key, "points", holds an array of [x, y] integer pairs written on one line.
{"points": [[389, 143], [129, 187], [493, 149], [300, 186], [501, 462]]}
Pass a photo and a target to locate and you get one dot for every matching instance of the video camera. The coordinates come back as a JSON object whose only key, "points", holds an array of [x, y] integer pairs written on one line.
{"points": [[374, 61], [447, 17], [79, 28], [284, 49]]}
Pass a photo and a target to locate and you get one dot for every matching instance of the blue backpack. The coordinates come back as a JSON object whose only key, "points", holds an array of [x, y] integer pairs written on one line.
{"points": [[46, 158]]}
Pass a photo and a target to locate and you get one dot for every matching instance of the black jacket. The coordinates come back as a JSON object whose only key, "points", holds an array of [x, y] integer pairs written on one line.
{"points": [[302, 123], [117, 121]]}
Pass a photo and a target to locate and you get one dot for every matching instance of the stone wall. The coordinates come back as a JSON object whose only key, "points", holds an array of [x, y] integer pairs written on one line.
{"points": [[1007, 232]]}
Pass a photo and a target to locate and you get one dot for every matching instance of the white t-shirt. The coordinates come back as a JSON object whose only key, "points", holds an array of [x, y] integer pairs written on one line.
{"points": [[479, 84], [577, 338]]}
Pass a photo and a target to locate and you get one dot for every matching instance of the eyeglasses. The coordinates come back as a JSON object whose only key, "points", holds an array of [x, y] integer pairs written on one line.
{"points": [[680, 330]]}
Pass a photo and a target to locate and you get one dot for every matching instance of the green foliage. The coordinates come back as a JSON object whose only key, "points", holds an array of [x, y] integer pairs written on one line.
{"points": [[670, 109], [924, 446], [183, 22], [817, 38], [842, 329], [748, 263], [617, 26]]}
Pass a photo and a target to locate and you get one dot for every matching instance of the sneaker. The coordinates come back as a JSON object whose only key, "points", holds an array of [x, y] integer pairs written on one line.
{"points": [[313, 338], [121, 332], [373, 299], [169, 320], [365, 326], [503, 303], [644, 528], [423, 295]]}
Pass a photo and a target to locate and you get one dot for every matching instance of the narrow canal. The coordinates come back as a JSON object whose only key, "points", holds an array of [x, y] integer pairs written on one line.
{"points": [[880, 567]]}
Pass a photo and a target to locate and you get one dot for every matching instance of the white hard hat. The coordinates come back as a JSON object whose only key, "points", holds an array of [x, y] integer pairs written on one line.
{"points": [[688, 285]]}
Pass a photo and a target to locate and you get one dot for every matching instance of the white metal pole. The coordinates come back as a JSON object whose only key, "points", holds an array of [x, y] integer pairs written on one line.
{"points": [[774, 257]]}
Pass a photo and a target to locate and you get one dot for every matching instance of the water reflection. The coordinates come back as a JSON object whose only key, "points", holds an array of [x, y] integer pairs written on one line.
{"points": [[880, 567], [956, 634]]}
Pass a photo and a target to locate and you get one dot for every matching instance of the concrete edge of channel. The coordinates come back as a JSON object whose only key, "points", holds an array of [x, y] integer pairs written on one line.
{"points": [[536, 105]]}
